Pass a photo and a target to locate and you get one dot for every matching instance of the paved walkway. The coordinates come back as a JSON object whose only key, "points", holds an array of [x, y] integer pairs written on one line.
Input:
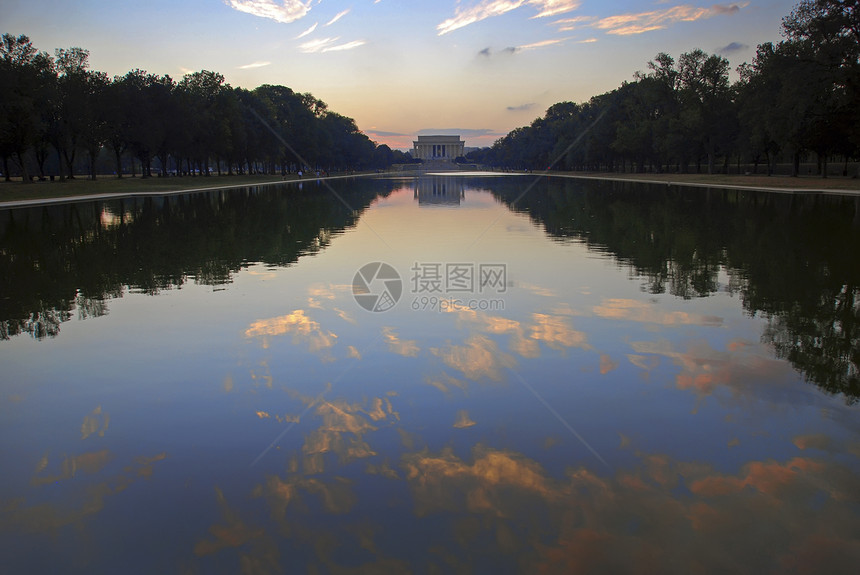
{"points": [[751, 187], [156, 193]]}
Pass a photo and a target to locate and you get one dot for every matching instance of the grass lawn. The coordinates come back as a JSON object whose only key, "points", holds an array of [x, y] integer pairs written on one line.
{"points": [[747, 181], [17, 191]]}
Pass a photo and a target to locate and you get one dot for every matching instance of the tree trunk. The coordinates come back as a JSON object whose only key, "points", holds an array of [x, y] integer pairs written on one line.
{"points": [[62, 173], [118, 158], [93, 157], [6, 176], [25, 175], [795, 165], [70, 162], [41, 157]]}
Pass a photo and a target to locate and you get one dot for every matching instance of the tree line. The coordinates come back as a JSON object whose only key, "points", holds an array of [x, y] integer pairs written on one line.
{"points": [[798, 97], [57, 108]]}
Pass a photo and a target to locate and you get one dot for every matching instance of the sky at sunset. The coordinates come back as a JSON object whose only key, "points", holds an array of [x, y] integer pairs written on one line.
{"points": [[478, 68]]}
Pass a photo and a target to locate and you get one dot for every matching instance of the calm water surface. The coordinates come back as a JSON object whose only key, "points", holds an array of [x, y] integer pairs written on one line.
{"points": [[575, 377]]}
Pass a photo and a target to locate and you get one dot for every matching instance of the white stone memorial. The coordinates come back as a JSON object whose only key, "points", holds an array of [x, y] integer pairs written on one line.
{"points": [[437, 148]]}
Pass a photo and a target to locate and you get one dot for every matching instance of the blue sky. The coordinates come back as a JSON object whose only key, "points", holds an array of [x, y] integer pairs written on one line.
{"points": [[475, 67]]}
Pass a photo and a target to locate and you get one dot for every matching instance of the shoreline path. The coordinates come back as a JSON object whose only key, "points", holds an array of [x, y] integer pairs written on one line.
{"points": [[678, 180]]}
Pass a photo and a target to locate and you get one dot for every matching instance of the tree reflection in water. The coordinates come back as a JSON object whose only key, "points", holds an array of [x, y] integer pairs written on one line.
{"points": [[789, 257], [59, 258]]}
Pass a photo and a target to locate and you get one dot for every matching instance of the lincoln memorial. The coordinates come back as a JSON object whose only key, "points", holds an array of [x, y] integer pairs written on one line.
{"points": [[437, 148]]}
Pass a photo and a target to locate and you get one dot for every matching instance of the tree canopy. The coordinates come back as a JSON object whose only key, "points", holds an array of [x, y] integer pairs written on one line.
{"points": [[196, 125], [799, 96]]}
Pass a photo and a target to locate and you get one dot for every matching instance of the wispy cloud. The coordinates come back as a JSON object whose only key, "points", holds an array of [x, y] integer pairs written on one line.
{"points": [[463, 420], [627, 24], [488, 52], [382, 133], [254, 65], [317, 45], [338, 16], [329, 45], [489, 8], [522, 107], [465, 132], [404, 347], [541, 44], [554, 7], [729, 8], [634, 310], [346, 46], [570, 24], [308, 31], [284, 11], [732, 47]]}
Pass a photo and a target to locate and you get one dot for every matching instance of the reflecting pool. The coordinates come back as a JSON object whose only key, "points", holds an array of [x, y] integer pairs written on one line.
{"points": [[442, 374]]}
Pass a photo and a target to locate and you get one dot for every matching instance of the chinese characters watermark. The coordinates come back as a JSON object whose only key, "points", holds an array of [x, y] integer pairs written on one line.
{"points": [[447, 278], [439, 286]]}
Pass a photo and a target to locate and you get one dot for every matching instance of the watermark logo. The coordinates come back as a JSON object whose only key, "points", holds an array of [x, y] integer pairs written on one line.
{"points": [[452, 304], [458, 278], [377, 287], [434, 286]]}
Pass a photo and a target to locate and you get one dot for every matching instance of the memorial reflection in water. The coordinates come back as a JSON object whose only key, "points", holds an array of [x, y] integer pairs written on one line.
{"points": [[439, 189], [669, 385]]}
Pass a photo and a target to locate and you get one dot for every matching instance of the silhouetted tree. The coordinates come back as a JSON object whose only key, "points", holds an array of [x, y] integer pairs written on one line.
{"points": [[797, 96], [383, 157], [25, 78]]}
